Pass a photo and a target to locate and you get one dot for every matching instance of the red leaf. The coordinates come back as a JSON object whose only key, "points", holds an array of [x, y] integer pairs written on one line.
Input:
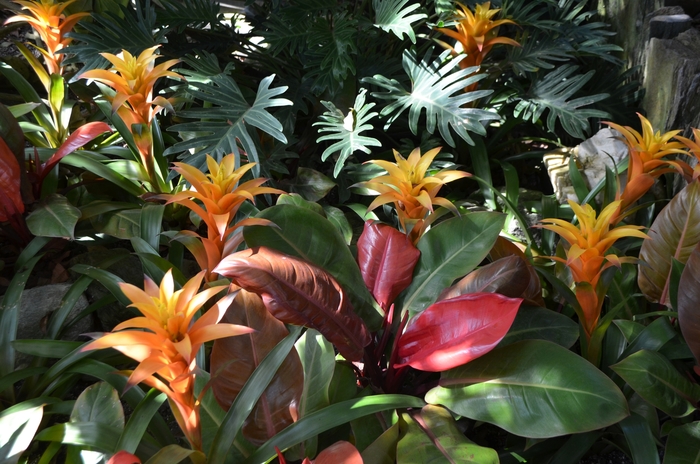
{"points": [[234, 359], [688, 298], [77, 139], [508, 276], [386, 258], [453, 332], [11, 202], [533, 293], [124, 457], [300, 293], [341, 452]]}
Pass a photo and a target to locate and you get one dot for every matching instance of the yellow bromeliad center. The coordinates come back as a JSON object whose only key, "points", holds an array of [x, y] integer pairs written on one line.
{"points": [[412, 192]]}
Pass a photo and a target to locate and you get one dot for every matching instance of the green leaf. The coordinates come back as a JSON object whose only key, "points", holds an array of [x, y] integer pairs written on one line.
{"points": [[338, 219], [656, 380], [543, 391], [139, 420], [99, 403], [94, 434], [225, 124], [17, 429], [391, 18], [449, 251], [640, 440], [652, 337], [327, 418], [553, 92], [542, 324], [431, 436], [683, 445], [196, 14], [151, 223], [346, 130], [309, 236], [575, 447], [54, 217], [123, 224], [172, 454], [439, 90], [330, 64], [295, 199], [311, 184], [84, 159]]}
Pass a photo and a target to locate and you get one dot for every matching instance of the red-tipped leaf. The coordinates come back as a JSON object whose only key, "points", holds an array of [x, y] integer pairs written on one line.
{"points": [[124, 457], [77, 139], [10, 197], [453, 332], [300, 293], [386, 258], [533, 293], [508, 276], [341, 452]]}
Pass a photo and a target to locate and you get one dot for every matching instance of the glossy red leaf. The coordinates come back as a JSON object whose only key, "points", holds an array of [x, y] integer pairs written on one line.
{"points": [[688, 302], [77, 139], [453, 332], [508, 276], [297, 292], [234, 359], [386, 258], [11, 200], [533, 293]]}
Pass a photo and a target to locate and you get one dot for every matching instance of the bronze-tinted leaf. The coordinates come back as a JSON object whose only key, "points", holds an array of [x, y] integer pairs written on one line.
{"points": [[10, 199], [688, 302], [533, 294], [234, 359], [386, 258], [508, 276], [300, 293], [673, 234]]}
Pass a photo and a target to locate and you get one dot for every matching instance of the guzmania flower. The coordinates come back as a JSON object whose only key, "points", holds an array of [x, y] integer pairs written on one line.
{"points": [[410, 190], [48, 20], [165, 341], [694, 147], [647, 158], [586, 256]]}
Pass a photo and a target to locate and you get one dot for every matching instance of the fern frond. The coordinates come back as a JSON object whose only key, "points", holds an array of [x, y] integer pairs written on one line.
{"points": [[390, 17]]}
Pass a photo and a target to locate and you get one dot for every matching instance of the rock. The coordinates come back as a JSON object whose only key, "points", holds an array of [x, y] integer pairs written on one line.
{"points": [[669, 26], [604, 150]]}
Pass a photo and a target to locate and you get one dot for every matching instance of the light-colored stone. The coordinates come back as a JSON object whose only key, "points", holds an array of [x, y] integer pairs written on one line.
{"points": [[669, 26]]}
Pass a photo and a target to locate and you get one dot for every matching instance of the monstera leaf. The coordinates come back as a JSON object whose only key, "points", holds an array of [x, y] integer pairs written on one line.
{"points": [[553, 92], [299, 293], [225, 124], [347, 130], [439, 90], [392, 18]]}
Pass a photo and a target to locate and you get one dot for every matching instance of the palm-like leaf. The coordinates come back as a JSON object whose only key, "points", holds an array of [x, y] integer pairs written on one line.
{"points": [[437, 90], [391, 16], [346, 130], [553, 93], [223, 126], [330, 63], [537, 52]]}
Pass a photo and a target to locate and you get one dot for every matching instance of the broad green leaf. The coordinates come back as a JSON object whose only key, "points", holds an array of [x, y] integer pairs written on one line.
{"points": [[306, 235], [675, 232], [542, 391], [439, 90], [84, 159], [449, 251], [296, 199], [329, 417], [346, 130], [656, 380], [17, 429], [225, 124], [542, 324], [99, 403], [55, 217], [340, 221], [123, 224], [151, 223], [139, 420], [640, 440], [383, 449], [103, 437], [683, 445], [652, 337], [172, 454], [392, 18], [311, 184], [431, 436]]}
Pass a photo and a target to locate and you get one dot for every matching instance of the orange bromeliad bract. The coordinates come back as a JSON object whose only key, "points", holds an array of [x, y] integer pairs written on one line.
{"points": [[166, 341], [410, 190], [586, 256], [48, 20]]}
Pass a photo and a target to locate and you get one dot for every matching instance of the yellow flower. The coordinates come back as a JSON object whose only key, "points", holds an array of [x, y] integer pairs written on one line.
{"points": [[586, 256], [646, 158], [477, 33], [412, 193], [166, 340], [47, 19]]}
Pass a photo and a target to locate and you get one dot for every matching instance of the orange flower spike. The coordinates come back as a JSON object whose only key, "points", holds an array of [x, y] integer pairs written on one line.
{"points": [[47, 19]]}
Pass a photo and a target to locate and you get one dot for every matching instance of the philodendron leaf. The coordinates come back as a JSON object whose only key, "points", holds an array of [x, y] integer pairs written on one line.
{"points": [[55, 217], [300, 293], [688, 297], [656, 380], [392, 18], [532, 388], [449, 251], [683, 445], [234, 359], [455, 331], [674, 234], [431, 436], [386, 258]]}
